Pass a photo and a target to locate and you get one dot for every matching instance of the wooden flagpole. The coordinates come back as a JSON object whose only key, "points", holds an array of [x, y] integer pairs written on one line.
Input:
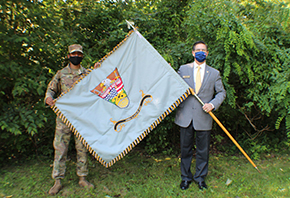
{"points": [[225, 130]]}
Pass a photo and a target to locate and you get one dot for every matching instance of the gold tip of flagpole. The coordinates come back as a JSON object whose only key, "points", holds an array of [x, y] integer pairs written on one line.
{"points": [[130, 24]]}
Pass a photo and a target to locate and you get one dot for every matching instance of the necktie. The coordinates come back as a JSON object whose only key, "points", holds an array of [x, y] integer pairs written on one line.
{"points": [[198, 80]]}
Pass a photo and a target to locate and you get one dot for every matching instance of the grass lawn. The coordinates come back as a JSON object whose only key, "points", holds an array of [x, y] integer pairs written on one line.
{"points": [[137, 175]]}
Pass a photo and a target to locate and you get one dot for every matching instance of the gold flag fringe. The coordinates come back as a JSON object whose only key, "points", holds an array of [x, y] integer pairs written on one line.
{"points": [[149, 129], [133, 144], [115, 48], [100, 61], [138, 139]]}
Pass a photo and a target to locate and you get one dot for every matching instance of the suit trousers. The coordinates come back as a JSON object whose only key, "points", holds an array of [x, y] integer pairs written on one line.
{"points": [[202, 153]]}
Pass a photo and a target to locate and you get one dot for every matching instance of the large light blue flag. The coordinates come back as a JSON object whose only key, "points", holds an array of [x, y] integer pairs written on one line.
{"points": [[116, 105]]}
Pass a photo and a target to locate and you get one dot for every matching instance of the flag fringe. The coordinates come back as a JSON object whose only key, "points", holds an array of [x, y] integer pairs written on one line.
{"points": [[100, 61], [115, 48], [149, 129], [138, 139], [133, 144]]}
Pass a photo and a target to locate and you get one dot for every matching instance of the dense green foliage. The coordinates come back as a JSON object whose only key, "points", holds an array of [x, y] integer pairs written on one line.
{"points": [[249, 43]]}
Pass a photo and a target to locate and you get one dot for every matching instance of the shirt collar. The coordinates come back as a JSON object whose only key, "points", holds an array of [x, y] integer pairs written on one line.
{"points": [[195, 65], [81, 69]]}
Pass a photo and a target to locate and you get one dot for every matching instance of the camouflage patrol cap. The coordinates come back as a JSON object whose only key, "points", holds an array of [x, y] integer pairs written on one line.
{"points": [[75, 48]]}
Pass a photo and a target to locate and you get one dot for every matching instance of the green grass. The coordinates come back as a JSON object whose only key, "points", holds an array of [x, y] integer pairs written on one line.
{"points": [[138, 175]]}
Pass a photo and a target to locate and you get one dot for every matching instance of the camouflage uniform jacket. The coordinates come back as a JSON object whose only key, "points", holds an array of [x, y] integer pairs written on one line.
{"points": [[63, 80]]}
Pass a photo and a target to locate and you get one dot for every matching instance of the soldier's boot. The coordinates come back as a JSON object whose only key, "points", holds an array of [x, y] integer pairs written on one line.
{"points": [[56, 187], [84, 183]]}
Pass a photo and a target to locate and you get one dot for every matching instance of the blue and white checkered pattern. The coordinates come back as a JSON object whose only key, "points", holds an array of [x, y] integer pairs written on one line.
{"points": [[113, 93], [95, 119]]}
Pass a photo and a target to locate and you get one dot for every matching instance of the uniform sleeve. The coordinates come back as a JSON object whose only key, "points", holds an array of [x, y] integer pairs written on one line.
{"points": [[53, 87]]}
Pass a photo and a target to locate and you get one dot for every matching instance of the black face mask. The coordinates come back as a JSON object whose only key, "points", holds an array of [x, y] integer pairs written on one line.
{"points": [[75, 60]]}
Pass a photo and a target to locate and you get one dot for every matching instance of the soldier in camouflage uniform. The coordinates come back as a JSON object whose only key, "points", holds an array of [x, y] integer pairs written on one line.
{"points": [[61, 82]]}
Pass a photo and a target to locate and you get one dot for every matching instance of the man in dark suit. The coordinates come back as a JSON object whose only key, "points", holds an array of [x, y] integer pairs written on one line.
{"points": [[192, 117]]}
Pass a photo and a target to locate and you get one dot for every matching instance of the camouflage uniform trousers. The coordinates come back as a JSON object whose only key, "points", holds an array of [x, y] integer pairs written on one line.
{"points": [[61, 143]]}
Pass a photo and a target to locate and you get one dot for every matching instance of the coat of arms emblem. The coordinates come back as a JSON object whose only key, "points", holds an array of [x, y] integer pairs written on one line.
{"points": [[112, 90]]}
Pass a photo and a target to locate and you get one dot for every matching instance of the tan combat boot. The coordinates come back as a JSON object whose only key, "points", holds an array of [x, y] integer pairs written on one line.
{"points": [[56, 187], [84, 183]]}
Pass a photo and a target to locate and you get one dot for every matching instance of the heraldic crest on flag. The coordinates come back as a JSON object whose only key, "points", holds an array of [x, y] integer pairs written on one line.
{"points": [[114, 107], [112, 90]]}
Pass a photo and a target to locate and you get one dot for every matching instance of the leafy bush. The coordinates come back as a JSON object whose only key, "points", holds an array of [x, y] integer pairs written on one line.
{"points": [[248, 42]]}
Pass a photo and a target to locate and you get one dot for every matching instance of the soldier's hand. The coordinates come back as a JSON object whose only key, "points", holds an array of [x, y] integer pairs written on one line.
{"points": [[49, 101], [96, 65]]}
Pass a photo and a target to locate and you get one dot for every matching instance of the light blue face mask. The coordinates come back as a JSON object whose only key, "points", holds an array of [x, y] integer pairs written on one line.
{"points": [[200, 56]]}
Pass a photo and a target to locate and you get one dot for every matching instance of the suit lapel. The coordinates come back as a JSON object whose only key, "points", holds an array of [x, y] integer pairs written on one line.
{"points": [[190, 72], [205, 77]]}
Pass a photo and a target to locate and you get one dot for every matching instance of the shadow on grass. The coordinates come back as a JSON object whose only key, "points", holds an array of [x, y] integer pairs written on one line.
{"points": [[138, 175]]}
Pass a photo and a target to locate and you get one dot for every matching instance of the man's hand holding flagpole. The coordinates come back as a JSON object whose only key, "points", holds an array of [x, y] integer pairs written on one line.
{"points": [[225, 130]]}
